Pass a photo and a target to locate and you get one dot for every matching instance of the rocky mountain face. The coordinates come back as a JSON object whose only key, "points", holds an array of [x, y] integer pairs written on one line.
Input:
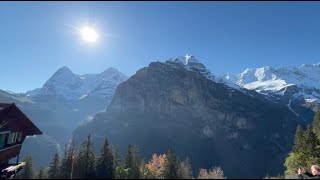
{"points": [[64, 102], [296, 87], [180, 104]]}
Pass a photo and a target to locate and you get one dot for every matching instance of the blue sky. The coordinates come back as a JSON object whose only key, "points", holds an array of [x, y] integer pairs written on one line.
{"points": [[37, 38]]}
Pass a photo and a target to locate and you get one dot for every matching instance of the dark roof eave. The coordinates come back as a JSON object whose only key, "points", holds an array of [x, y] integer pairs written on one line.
{"points": [[35, 129]]}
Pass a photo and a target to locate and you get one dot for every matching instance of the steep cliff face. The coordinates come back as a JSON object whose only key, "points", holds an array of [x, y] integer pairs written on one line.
{"points": [[179, 105]]}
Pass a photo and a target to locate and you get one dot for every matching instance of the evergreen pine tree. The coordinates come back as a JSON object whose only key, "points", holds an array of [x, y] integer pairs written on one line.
{"points": [[171, 170], [28, 172], [117, 160], [179, 172], [53, 171], [186, 170], [136, 163], [311, 151], [316, 124], [133, 162], [293, 162], [129, 162], [298, 140], [42, 174], [299, 154], [65, 167], [85, 164], [305, 152], [121, 173], [105, 169]]}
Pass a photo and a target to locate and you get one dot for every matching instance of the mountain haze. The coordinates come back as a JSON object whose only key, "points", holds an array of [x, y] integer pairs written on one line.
{"points": [[64, 102]]}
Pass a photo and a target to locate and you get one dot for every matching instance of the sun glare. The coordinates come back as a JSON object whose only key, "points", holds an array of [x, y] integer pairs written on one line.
{"points": [[89, 34]]}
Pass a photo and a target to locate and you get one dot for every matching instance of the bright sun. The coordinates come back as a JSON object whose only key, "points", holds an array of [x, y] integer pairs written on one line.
{"points": [[89, 34]]}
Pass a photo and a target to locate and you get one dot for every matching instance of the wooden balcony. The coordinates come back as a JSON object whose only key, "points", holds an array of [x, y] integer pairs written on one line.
{"points": [[10, 151]]}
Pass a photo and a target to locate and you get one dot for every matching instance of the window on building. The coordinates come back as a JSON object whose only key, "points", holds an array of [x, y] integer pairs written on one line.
{"points": [[15, 137], [2, 140], [19, 136], [12, 137]]}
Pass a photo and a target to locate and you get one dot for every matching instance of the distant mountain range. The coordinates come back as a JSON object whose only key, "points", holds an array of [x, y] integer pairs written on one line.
{"points": [[277, 79], [297, 87], [232, 120], [64, 102], [64, 83]]}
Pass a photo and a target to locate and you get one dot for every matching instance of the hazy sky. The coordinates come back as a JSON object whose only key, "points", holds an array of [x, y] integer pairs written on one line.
{"points": [[37, 38]]}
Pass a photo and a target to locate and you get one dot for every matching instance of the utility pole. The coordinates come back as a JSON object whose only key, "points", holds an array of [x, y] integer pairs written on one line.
{"points": [[72, 155]]}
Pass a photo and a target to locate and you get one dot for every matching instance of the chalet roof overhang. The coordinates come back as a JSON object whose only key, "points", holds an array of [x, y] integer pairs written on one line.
{"points": [[13, 119]]}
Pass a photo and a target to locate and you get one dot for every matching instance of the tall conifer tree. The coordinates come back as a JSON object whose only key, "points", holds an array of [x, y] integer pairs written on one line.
{"points": [[85, 164], [53, 172], [105, 169], [171, 170], [28, 172]]}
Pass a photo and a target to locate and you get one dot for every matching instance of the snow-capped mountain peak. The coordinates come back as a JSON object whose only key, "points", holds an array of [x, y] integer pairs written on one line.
{"points": [[110, 70], [190, 59], [275, 81], [62, 74], [64, 69], [72, 86], [190, 63], [269, 78], [187, 60]]}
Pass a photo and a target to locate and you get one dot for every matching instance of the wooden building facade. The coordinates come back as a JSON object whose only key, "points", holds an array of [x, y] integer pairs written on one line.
{"points": [[15, 126]]}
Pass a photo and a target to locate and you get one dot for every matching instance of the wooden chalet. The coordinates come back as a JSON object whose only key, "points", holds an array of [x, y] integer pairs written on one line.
{"points": [[15, 126]]}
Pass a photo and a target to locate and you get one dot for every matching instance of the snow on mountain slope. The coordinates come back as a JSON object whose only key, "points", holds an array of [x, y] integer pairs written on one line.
{"points": [[276, 82], [72, 86], [275, 79], [190, 63]]}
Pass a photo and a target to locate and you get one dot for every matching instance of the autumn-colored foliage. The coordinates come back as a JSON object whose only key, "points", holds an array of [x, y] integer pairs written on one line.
{"points": [[156, 165]]}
